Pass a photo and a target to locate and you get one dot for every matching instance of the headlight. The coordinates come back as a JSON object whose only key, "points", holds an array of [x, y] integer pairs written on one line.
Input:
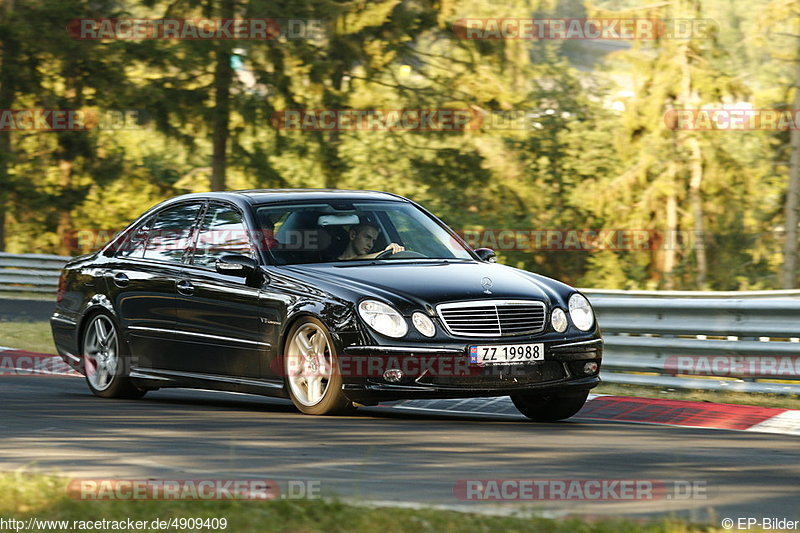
{"points": [[423, 324], [559, 320], [383, 318], [581, 312]]}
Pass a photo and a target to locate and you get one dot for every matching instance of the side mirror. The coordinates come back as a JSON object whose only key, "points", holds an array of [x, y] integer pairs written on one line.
{"points": [[486, 254], [236, 265]]}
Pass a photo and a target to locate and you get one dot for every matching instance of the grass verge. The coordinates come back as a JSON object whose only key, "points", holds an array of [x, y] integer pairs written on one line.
{"points": [[24, 495], [32, 336], [22, 295], [784, 401]]}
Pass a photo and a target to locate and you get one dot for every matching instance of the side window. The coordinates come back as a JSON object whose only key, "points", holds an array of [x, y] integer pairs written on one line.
{"points": [[222, 232], [170, 234], [133, 245]]}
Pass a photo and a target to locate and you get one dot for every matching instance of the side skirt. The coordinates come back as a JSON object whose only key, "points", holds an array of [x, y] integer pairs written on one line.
{"points": [[157, 379]]}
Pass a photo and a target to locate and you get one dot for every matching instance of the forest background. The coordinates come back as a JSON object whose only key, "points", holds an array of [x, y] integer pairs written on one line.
{"points": [[568, 138]]}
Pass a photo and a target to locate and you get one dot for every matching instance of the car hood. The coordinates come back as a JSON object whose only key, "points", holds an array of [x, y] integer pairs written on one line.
{"points": [[412, 285]]}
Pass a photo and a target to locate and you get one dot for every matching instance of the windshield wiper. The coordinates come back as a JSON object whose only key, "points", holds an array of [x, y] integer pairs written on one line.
{"points": [[404, 261]]}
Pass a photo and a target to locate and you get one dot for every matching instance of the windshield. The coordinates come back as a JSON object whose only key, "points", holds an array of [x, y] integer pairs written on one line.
{"points": [[354, 231]]}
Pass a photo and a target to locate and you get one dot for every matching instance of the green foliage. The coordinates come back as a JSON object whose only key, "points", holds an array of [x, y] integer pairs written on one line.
{"points": [[591, 149]]}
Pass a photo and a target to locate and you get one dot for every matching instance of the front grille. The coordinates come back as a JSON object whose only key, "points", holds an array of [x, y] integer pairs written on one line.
{"points": [[493, 318], [500, 376]]}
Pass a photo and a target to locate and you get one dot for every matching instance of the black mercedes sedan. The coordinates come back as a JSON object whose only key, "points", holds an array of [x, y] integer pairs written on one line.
{"points": [[330, 298]]}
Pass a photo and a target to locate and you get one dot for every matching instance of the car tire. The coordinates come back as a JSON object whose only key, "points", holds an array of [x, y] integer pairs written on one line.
{"points": [[312, 374], [549, 408], [106, 360]]}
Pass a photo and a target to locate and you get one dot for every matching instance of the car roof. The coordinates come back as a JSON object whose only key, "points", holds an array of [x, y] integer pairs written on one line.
{"points": [[266, 196]]}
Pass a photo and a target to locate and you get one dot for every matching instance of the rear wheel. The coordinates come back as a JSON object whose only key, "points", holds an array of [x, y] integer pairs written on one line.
{"points": [[549, 408], [313, 378], [105, 365]]}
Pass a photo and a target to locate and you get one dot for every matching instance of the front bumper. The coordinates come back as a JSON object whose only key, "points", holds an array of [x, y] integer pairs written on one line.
{"points": [[445, 372]]}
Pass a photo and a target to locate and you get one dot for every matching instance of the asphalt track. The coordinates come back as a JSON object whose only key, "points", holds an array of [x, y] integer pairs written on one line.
{"points": [[53, 425], [26, 310]]}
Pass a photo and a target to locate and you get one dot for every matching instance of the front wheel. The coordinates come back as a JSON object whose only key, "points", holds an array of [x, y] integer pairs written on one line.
{"points": [[549, 408], [105, 365], [313, 377]]}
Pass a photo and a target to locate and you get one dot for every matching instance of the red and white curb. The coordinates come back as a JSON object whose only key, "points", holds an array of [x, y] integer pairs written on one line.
{"points": [[680, 413], [24, 363], [686, 413], [786, 423]]}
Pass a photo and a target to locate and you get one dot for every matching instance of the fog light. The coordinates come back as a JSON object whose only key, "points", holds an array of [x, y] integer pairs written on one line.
{"points": [[394, 375], [559, 320], [590, 368], [423, 324]]}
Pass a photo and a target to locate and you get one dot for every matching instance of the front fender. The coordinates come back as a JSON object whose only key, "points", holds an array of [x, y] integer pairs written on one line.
{"points": [[338, 317]]}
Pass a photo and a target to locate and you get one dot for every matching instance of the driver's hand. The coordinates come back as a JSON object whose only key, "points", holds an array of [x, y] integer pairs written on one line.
{"points": [[394, 247]]}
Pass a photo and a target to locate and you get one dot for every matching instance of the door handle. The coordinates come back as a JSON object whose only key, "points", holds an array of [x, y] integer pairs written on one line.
{"points": [[121, 279], [185, 287]]}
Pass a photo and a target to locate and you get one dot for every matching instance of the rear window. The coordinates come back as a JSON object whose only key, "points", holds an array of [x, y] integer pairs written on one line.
{"points": [[170, 235], [221, 232]]}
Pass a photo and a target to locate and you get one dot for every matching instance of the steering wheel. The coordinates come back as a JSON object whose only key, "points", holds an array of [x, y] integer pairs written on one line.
{"points": [[404, 254], [384, 254]]}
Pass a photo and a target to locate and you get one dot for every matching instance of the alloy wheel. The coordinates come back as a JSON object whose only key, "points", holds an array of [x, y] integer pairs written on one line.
{"points": [[309, 364], [101, 349]]}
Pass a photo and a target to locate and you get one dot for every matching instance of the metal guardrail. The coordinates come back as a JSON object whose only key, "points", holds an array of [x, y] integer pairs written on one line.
{"points": [[30, 272], [739, 341], [746, 343]]}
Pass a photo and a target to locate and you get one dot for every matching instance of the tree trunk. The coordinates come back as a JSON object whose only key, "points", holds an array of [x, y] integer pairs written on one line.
{"points": [[5, 155], [792, 192], [688, 100], [223, 78], [64, 229], [670, 248], [696, 200], [332, 162], [8, 49]]}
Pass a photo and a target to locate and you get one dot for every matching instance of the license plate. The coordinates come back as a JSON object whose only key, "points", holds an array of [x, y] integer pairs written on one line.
{"points": [[506, 354]]}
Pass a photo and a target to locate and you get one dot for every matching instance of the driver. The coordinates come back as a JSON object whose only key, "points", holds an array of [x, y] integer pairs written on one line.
{"points": [[362, 239]]}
